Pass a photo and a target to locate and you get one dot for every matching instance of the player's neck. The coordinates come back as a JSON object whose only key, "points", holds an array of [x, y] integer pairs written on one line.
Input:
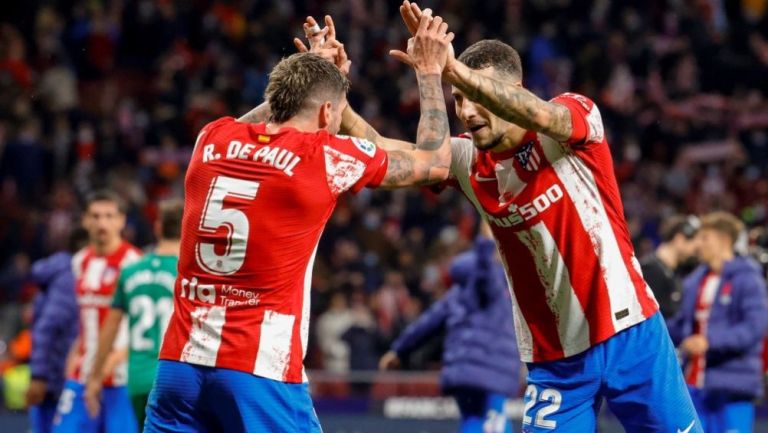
{"points": [[717, 263], [511, 139], [107, 248], [297, 123], [167, 247]]}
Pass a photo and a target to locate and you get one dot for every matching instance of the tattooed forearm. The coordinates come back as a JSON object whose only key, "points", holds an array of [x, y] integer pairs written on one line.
{"points": [[514, 103], [399, 168], [433, 125], [413, 168], [431, 160], [257, 115], [354, 125]]}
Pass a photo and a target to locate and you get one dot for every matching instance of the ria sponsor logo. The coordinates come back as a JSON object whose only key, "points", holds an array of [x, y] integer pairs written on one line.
{"points": [[525, 212], [221, 294]]}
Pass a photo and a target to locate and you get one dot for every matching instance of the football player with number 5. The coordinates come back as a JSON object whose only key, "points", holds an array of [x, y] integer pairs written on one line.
{"points": [[257, 199]]}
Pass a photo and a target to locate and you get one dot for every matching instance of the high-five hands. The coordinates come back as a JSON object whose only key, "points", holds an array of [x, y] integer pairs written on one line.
{"points": [[411, 14], [429, 48], [323, 42]]}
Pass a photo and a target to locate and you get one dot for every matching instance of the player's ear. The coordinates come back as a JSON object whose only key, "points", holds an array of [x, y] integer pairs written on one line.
{"points": [[325, 116], [122, 219]]}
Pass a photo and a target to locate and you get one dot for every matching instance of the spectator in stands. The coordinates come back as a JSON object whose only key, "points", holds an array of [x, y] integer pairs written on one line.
{"points": [[480, 360], [681, 85], [331, 325], [54, 329], [660, 268], [720, 328]]}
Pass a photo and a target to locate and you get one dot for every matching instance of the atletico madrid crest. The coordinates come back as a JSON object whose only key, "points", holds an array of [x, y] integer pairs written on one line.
{"points": [[528, 157]]}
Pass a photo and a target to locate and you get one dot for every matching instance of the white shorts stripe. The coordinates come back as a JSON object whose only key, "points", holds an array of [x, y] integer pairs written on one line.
{"points": [[582, 189], [273, 357], [572, 324], [205, 338]]}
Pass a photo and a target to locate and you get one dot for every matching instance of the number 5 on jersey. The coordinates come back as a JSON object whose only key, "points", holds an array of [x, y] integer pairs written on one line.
{"points": [[234, 221]]}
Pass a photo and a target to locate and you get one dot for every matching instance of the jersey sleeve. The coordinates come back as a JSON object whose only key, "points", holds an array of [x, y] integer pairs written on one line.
{"points": [[209, 128], [119, 300], [585, 119], [353, 163], [463, 155]]}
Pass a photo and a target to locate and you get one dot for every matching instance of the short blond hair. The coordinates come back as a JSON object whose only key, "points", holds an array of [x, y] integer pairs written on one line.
{"points": [[299, 80], [723, 222]]}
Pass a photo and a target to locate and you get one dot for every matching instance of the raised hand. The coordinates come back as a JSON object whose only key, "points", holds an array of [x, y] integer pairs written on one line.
{"points": [[428, 51], [411, 14], [314, 34], [324, 43]]}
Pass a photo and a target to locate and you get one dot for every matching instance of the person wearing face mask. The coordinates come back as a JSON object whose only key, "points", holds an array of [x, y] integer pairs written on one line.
{"points": [[720, 328]]}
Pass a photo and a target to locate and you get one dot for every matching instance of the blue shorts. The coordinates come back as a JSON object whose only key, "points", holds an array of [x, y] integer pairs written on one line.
{"points": [[637, 373], [482, 411], [193, 398], [41, 416], [116, 414], [720, 412]]}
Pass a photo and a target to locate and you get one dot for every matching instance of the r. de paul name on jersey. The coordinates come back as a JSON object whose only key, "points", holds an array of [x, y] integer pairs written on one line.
{"points": [[281, 159]]}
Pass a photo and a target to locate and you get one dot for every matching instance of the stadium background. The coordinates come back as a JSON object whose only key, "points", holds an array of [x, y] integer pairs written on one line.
{"points": [[96, 93]]}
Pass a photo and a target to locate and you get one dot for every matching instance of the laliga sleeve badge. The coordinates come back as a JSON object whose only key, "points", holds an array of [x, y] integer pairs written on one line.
{"points": [[365, 146]]}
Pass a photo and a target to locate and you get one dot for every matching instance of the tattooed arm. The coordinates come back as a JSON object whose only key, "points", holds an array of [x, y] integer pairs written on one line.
{"points": [[257, 115], [354, 125], [431, 160], [510, 101], [504, 98]]}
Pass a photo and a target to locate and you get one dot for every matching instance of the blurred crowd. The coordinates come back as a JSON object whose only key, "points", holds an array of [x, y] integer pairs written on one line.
{"points": [[96, 93]]}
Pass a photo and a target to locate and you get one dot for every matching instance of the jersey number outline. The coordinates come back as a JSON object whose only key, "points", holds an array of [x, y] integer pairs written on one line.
{"points": [[234, 220], [148, 312], [550, 395]]}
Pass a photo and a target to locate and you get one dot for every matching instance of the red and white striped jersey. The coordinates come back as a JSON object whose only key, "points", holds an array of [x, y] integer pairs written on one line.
{"points": [[697, 364], [255, 207], [95, 282], [557, 217]]}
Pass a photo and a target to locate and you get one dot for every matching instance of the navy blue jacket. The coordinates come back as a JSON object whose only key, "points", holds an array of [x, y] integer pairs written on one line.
{"points": [[55, 319], [738, 322], [479, 349]]}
